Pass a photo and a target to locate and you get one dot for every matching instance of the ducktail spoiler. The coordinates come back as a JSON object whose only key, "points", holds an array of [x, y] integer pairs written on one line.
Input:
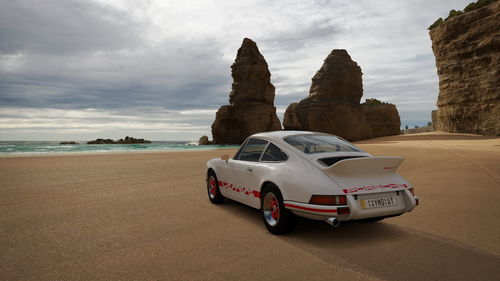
{"points": [[365, 166]]}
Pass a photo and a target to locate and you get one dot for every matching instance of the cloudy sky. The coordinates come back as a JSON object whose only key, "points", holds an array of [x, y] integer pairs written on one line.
{"points": [[79, 70]]}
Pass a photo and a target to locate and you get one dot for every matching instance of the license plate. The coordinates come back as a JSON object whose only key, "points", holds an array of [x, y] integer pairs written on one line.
{"points": [[378, 202]]}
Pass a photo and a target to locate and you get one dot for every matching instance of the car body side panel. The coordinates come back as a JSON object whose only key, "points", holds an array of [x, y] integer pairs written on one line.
{"points": [[238, 180], [245, 180]]}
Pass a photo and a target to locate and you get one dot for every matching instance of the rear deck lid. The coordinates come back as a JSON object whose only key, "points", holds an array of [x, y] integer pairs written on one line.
{"points": [[367, 174]]}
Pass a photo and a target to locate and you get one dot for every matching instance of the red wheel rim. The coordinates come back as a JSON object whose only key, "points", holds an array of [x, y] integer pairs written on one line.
{"points": [[212, 187], [271, 209], [275, 209]]}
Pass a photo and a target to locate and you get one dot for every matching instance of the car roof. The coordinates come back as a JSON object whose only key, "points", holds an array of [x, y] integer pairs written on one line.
{"points": [[278, 135]]}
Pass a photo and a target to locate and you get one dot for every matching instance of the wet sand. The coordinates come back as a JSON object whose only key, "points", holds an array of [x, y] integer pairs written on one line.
{"points": [[147, 217]]}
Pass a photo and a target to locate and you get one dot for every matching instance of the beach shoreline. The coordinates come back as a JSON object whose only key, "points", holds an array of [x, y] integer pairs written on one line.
{"points": [[110, 152], [435, 135]]}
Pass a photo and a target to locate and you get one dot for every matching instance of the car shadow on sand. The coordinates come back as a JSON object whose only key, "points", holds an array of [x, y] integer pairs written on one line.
{"points": [[393, 252], [384, 250]]}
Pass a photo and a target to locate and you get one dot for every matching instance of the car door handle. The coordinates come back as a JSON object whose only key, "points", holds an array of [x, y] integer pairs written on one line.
{"points": [[249, 169]]}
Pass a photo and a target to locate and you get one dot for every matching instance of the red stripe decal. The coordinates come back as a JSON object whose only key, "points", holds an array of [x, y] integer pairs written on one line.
{"points": [[355, 189], [256, 193], [311, 209], [239, 189]]}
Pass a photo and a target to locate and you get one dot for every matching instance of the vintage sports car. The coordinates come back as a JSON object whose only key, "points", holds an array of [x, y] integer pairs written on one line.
{"points": [[313, 175]]}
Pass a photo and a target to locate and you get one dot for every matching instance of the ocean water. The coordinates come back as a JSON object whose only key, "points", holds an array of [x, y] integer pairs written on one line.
{"points": [[54, 147]]}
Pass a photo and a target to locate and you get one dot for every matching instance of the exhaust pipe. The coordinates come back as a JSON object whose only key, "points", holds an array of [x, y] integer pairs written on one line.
{"points": [[333, 222]]}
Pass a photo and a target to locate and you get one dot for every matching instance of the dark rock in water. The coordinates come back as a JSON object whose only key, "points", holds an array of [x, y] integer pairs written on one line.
{"points": [[101, 141], [251, 109], [383, 119], [333, 102], [467, 52], [204, 141], [69, 142], [126, 140]]}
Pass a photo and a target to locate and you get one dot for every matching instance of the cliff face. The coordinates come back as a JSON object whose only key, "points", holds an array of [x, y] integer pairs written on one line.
{"points": [[467, 52], [383, 119], [251, 109]]}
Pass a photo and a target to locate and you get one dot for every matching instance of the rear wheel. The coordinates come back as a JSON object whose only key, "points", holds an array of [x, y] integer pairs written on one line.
{"points": [[277, 219], [213, 189]]}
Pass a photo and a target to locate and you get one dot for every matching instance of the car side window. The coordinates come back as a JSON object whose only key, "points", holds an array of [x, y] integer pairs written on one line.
{"points": [[252, 150], [237, 155], [274, 154]]}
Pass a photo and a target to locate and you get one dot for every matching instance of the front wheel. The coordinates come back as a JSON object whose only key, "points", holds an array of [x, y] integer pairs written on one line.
{"points": [[213, 189], [277, 219]]}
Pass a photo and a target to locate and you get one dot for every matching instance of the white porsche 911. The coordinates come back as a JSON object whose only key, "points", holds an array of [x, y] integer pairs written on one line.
{"points": [[313, 175]]}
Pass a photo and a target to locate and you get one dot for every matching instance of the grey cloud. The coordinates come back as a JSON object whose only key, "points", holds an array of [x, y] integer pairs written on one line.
{"points": [[64, 27], [160, 76]]}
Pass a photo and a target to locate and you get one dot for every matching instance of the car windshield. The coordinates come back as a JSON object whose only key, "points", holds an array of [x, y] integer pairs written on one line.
{"points": [[320, 143]]}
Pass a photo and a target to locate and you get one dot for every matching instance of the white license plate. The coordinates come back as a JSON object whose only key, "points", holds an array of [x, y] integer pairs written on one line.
{"points": [[378, 202]]}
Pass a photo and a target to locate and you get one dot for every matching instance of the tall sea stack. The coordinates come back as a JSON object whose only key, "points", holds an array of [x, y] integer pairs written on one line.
{"points": [[251, 101], [333, 102], [467, 51]]}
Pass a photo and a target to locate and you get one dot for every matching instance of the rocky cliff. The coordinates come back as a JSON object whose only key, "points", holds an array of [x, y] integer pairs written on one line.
{"points": [[467, 52], [333, 104], [383, 119], [251, 101]]}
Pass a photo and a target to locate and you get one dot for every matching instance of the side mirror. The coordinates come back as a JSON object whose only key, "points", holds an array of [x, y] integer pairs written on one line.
{"points": [[225, 157]]}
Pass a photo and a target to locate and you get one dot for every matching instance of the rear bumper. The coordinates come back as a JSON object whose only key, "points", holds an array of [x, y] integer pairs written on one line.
{"points": [[315, 212], [405, 203]]}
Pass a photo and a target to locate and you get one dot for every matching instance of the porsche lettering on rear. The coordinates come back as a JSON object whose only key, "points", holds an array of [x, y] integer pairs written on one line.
{"points": [[318, 176]]}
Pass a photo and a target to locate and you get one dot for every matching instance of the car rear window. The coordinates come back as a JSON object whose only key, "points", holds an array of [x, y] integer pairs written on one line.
{"points": [[327, 162], [252, 150], [320, 143]]}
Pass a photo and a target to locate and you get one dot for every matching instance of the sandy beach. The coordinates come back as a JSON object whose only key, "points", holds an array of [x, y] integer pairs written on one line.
{"points": [[146, 216]]}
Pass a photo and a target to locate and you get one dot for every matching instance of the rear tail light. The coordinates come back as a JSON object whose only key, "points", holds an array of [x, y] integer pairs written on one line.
{"points": [[328, 200]]}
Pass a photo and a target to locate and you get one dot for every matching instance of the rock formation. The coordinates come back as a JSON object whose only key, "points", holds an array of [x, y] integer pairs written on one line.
{"points": [[127, 140], [333, 102], [204, 141], [69, 142], [383, 118], [251, 101], [467, 52]]}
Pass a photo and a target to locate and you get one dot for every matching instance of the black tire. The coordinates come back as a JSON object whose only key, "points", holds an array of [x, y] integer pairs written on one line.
{"points": [[281, 222], [213, 190]]}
